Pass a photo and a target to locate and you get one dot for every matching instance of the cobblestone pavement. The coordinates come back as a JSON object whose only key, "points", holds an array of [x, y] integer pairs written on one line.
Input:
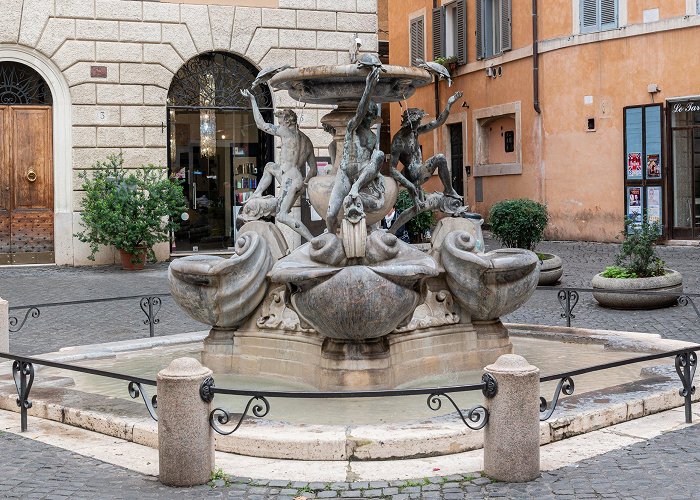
{"points": [[663, 467], [31, 469]]}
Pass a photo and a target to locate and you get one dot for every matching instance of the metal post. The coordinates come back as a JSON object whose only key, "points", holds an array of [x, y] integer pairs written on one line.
{"points": [[685, 367], [150, 307], [20, 371], [568, 300]]}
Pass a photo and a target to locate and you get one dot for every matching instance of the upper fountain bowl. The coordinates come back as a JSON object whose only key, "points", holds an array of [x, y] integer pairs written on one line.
{"points": [[346, 83]]}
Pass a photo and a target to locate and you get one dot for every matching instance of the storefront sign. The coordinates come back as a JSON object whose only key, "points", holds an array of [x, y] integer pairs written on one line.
{"points": [[686, 107]]}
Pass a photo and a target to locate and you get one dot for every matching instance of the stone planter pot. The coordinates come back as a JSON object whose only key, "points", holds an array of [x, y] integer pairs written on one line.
{"points": [[551, 270], [672, 281]]}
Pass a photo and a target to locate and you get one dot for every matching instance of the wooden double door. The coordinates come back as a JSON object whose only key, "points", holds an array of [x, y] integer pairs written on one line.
{"points": [[26, 185]]}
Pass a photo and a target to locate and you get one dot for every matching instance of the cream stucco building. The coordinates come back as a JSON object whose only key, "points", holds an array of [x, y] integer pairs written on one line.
{"points": [[157, 81]]}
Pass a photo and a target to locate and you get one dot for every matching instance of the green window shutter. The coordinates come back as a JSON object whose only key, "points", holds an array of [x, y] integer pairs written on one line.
{"points": [[439, 42], [505, 20], [480, 53], [608, 14], [462, 31], [417, 40], [588, 13]]}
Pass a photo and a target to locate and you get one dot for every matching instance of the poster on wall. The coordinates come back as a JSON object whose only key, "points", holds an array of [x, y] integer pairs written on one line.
{"points": [[654, 204], [634, 165], [653, 167], [635, 204]]}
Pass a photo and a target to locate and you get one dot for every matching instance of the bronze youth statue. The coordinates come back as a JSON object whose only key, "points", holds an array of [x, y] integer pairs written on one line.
{"points": [[405, 148], [359, 165], [297, 152]]}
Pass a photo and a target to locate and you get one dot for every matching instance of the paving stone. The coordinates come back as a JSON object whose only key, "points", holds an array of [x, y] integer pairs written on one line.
{"points": [[351, 493], [390, 491], [327, 494], [340, 486], [479, 481], [378, 484], [372, 493], [359, 485]]}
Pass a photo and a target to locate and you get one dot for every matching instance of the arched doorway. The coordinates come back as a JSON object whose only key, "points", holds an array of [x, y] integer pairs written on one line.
{"points": [[26, 166], [214, 147]]}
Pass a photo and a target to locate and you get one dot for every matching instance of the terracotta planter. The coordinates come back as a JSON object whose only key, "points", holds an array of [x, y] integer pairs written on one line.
{"points": [[551, 270], [671, 282], [133, 262]]}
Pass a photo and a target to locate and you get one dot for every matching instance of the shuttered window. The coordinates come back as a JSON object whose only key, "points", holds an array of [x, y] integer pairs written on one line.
{"points": [[450, 31], [494, 34], [598, 15], [417, 40]]}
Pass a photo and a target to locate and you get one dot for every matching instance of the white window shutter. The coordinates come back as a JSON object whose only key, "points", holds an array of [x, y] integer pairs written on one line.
{"points": [[505, 20], [480, 54], [439, 41], [608, 14], [462, 31]]}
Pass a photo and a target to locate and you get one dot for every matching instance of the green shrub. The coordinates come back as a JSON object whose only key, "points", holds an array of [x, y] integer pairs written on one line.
{"points": [[638, 251], [518, 223], [128, 208], [417, 226]]}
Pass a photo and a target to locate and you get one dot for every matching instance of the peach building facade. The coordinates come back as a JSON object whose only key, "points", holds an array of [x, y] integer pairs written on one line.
{"points": [[590, 106]]}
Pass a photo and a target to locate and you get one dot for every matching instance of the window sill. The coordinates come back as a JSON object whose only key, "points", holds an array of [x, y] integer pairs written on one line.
{"points": [[493, 169]]}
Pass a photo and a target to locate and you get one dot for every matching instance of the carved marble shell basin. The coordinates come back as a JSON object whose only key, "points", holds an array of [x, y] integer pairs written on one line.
{"points": [[488, 285], [222, 292], [320, 189], [346, 83], [355, 302]]}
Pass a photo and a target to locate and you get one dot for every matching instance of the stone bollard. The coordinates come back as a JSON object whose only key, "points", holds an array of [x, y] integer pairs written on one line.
{"points": [[185, 439], [4, 326], [512, 435]]}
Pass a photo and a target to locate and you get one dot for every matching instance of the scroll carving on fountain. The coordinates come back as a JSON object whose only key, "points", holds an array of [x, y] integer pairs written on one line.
{"points": [[377, 311]]}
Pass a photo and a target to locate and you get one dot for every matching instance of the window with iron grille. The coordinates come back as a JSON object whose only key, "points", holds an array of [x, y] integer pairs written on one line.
{"points": [[493, 27], [417, 40], [598, 15], [450, 31]]}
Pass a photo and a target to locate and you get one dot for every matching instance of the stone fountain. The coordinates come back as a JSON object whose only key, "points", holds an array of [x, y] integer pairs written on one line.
{"points": [[356, 307]]}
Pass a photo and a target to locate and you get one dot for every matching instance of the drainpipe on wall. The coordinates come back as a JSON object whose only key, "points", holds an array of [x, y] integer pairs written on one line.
{"points": [[535, 61]]}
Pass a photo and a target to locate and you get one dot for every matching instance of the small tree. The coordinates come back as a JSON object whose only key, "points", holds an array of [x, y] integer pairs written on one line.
{"points": [[637, 256], [130, 209], [518, 223]]}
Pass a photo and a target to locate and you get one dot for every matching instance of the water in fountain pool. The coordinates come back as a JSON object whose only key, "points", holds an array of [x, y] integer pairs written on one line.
{"points": [[550, 356]]}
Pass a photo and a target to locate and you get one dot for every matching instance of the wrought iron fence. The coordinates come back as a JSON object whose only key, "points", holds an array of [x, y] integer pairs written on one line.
{"points": [[569, 297], [259, 400], [149, 304], [23, 374], [685, 361]]}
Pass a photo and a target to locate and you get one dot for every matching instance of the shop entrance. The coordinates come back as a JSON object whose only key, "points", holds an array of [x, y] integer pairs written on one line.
{"points": [[26, 167], [685, 150], [215, 148]]}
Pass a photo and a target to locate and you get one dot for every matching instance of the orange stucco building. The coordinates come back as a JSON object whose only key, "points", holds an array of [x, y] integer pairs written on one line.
{"points": [[590, 106]]}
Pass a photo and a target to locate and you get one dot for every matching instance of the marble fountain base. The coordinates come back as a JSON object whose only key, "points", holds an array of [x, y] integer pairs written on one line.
{"points": [[328, 365]]}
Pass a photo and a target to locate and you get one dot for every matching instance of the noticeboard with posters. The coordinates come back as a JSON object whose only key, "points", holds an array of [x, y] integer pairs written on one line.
{"points": [[643, 163]]}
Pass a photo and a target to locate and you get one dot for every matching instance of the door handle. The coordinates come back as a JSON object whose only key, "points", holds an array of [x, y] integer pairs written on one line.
{"points": [[31, 176]]}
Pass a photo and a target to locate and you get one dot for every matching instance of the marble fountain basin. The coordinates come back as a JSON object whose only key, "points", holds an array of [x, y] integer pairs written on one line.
{"points": [[357, 429], [346, 83], [488, 285]]}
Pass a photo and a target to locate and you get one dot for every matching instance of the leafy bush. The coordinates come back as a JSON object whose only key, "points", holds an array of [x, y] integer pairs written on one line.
{"points": [[128, 208], [518, 223], [417, 226], [638, 251]]}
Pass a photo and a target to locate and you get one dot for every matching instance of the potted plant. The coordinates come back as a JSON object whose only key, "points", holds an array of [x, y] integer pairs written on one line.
{"points": [[450, 63], [419, 227], [130, 209], [521, 224], [638, 268]]}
